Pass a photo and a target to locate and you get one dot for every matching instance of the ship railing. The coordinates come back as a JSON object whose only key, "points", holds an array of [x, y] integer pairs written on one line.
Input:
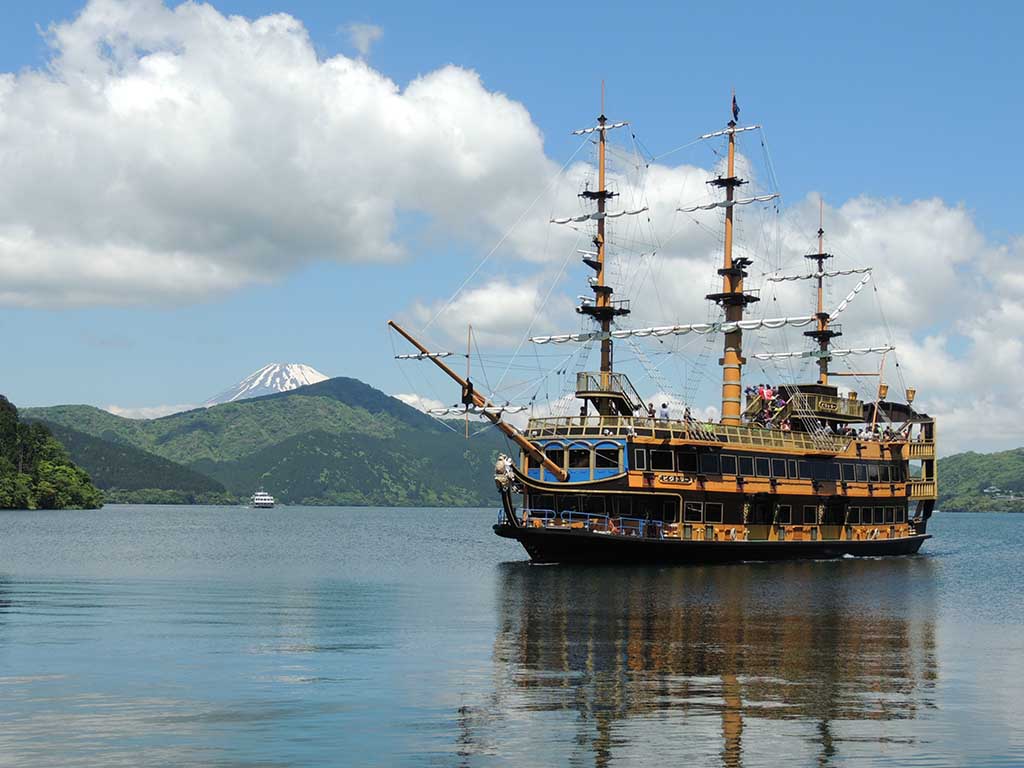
{"points": [[680, 429]]}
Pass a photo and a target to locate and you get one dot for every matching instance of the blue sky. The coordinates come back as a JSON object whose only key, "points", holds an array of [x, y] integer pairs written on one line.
{"points": [[906, 101]]}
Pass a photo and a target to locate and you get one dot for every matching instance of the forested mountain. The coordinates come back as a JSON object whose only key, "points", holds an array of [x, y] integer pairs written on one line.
{"points": [[35, 471], [335, 442], [982, 482], [128, 475]]}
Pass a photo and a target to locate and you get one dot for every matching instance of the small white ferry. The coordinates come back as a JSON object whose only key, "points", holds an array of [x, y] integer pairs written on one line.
{"points": [[262, 500]]}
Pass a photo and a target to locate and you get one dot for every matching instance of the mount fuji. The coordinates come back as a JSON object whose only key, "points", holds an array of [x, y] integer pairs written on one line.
{"points": [[276, 377]]}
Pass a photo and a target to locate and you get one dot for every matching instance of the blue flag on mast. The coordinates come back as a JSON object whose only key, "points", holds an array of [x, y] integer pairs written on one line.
{"points": [[735, 108]]}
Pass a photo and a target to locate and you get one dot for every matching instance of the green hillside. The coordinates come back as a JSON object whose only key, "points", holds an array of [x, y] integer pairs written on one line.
{"points": [[336, 442], [35, 471], [128, 475], [964, 478]]}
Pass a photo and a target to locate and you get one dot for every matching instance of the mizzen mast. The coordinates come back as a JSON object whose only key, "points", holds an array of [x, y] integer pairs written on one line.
{"points": [[823, 334]]}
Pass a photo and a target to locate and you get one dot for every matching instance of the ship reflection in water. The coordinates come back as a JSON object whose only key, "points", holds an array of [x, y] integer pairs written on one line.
{"points": [[746, 665]]}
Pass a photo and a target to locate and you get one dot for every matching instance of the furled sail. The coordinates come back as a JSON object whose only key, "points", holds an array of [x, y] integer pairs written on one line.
{"points": [[850, 296], [823, 353], [729, 203], [496, 410], [597, 216], [677, 330], [727, 131], [815, 275], [597, 128]]}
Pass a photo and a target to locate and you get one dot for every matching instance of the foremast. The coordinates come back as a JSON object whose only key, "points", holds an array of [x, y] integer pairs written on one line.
{"points": [[603, 309]]}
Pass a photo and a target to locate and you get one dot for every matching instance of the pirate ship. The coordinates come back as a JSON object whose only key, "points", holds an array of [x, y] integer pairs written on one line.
{"points": [[800, 470]]}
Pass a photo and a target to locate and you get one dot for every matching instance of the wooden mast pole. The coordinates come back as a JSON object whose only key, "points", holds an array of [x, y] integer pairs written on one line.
{"points": [[482, 402], [601, 298], [821, 314], [732, 284]]}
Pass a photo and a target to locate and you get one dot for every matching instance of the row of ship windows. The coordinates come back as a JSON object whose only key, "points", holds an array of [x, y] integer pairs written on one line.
{"points": [[763, 466], [714, 512]]}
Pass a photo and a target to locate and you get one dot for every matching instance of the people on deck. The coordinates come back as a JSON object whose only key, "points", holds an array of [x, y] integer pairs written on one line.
{"points": [[663, 412]]}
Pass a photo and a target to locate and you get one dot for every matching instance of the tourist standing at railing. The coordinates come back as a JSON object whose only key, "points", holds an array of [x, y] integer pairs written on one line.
{"points": [[663, 412]]}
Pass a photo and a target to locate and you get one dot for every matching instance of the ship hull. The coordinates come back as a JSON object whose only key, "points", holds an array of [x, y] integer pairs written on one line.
{"points": [[546, 545]]}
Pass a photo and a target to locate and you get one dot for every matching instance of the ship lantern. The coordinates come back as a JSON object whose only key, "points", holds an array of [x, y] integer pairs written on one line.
{"points": [[853, 395], [911, 392], [883, 390]]}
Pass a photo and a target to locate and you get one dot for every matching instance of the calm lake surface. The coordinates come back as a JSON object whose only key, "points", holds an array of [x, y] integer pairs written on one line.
{"points": [[337, 636]]}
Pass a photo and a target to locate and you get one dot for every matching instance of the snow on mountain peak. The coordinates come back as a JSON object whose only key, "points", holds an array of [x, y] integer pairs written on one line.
{"points": [[276, 377]]}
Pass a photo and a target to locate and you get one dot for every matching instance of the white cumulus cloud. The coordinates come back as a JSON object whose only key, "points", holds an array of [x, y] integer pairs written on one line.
{"points": [[168, 154]]}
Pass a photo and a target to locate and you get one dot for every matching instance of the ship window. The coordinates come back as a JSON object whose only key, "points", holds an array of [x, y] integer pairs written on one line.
{"points": [[784, 513], [622, 506], [897, 473], [805, 470], [579, 458], [728, 465], [531, 461], [879, 515], [810, 515], [901, 514], [778, 467], [872, 473], [713, 512], [691, 511], [853, 516], [640, 459], [606, 458], [862, 473], [793, 470], [890, 514], [820, 470], [568, 503], [763, 468], [687, 461], [848, 473], [593, 505], [545, 502], [885, 473], [661, 460], [670, 512], [709, 464], [746, 465], [555, 455]]}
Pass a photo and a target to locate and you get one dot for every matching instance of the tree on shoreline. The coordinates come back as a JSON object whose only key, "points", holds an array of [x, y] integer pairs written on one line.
{"points": [[35, 471]]}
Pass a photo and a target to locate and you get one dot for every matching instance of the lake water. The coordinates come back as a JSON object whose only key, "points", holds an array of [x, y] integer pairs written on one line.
{"points": [[332, 636]]}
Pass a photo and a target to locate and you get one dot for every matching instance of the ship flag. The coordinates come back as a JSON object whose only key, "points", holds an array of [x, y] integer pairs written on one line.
{"points": [[735, 108]]}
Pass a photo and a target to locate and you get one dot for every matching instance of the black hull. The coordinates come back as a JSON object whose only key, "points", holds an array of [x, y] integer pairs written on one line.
{"points": [[546, 545]]}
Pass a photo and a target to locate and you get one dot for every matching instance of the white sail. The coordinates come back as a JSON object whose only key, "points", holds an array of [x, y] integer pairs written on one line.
{"points": [[850, 296], [729, 203], [423, 356], [727, 131], [597, 216], [596, 128], [815, 275], [476, 410], [676, 330], [826, 353]]}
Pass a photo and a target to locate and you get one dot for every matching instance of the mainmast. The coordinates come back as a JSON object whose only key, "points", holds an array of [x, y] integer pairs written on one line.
{"points": [[823, 334], [732, 298]]}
